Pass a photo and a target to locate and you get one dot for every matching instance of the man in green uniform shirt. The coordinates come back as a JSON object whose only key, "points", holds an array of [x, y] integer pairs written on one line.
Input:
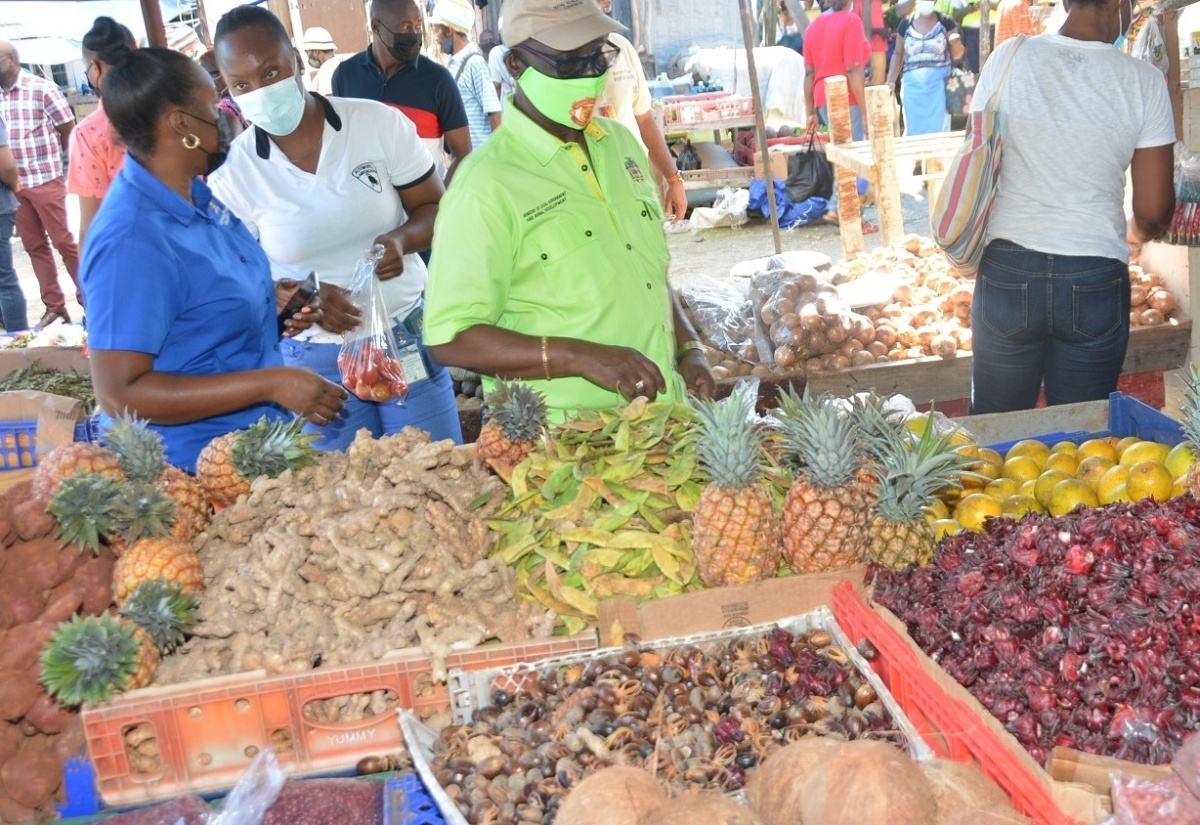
{"points": [[549, 261]]}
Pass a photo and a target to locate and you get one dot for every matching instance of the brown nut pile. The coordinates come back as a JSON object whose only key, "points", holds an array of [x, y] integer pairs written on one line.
{"points": [[699, 716]]}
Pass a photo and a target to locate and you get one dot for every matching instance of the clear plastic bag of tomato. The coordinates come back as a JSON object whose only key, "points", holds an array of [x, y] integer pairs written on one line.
{"points": [[369, 359]]}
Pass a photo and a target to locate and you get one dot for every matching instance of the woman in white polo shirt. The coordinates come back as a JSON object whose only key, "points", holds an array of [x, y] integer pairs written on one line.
{"points": [[320, 181]]}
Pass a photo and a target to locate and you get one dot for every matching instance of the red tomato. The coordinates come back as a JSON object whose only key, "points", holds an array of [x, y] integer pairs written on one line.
{"points": [[381, 392]]}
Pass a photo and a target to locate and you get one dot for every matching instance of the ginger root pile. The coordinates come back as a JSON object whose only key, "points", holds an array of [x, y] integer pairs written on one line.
{"points": [[382, 547]]}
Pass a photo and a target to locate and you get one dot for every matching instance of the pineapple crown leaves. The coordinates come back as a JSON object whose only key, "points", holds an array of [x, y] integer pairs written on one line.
{"points": [[1190, 408], [729, 443], [517, 409], [142, 510], [820, 440], [139, 449], [88, 659], [911, 469], [163, 610], [268, 448], [83, 507]]}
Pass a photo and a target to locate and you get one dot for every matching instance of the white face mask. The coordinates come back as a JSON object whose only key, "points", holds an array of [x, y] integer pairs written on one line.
{"points": [[925, 7], [276, 109]]}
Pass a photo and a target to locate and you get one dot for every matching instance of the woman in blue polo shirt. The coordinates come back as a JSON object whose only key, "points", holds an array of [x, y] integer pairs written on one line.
{"points": [[319, 182], [181, 308]]}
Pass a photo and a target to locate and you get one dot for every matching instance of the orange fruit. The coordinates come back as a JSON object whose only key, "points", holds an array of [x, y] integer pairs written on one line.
{"points": [[1028, 488], [1149, 479], [1124, 444], [1033, 448], [1093, 468], [1113, 478], [1018, 505], [973, 509], [1021, 468], [1061, 461], [1180, 486], [1045, 483], [1001, 488], [1116, 494], [936, 509], [1144, 451], [1070, 493], [945, 527], [1180, 459], [1095, 446]]}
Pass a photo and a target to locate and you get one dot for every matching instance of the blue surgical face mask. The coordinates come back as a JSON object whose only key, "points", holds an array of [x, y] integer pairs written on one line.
{"points": [[1119, 43], [276, 109]]}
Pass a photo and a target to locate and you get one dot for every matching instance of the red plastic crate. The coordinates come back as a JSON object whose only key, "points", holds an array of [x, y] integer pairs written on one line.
{"points": [[208, 731], [948, 725]]}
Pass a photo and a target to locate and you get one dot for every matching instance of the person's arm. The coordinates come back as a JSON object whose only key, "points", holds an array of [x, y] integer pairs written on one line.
{"points": [[897, 63], [482, 81], [416, 233], [954, 39], [675, 199], [9, 175], [499, 88], [494, 351], [692, 364], [810, 106], [64, 131], [458, 141], [88, 207], [856, 79], [128, 381], [1153, 174]]}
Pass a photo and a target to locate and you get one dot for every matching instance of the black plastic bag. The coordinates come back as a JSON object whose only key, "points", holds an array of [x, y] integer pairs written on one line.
{"points": [[810, 175]]}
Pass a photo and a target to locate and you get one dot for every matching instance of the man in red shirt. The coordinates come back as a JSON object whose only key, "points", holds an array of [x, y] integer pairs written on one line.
{"points": [[835, 44], [872, 11]]}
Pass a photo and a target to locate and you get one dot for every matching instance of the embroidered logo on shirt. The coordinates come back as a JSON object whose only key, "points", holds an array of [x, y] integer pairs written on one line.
{"points": [[635, 171], [367, 175], [544, 207]]}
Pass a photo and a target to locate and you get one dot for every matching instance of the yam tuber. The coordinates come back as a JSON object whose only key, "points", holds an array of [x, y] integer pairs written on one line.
{"points": [[32, 776], [18, 691], [32, 520]]}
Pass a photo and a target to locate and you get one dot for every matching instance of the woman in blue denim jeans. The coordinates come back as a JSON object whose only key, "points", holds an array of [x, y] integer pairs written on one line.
{"points": [[319, 182], [1052, 292]]}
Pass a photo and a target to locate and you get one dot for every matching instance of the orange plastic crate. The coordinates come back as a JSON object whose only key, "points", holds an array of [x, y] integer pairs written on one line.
{"points": [[948, 725], [208, 731]]}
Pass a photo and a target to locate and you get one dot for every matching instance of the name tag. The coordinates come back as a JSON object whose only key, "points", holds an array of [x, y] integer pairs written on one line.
{"points": [[413, 363]]}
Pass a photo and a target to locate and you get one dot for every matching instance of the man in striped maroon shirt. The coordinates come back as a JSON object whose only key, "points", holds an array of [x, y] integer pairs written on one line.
{"points": [[39, 122]]}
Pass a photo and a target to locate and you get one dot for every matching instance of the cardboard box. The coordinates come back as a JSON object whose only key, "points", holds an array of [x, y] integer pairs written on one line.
{"points": [[720, 607], [63, 359]]}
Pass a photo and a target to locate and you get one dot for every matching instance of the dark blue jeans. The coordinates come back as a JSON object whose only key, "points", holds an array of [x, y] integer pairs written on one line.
{"points": [[13, 312], [1058, 319]]}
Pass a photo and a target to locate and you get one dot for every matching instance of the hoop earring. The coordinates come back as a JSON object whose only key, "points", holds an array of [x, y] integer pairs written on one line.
{"points": [[191, 142]]}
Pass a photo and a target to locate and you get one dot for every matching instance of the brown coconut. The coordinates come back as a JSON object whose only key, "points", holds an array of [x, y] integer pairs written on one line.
{"points": [[963, 794], [867, 781], [706, 808], [614, 796], [776, 786]]}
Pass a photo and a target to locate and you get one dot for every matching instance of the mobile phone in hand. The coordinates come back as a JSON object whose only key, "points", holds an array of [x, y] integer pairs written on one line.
{"points": [[300, 298]]}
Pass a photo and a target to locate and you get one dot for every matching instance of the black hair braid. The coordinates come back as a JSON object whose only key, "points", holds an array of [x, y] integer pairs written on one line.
{"points": [[111, 42]]}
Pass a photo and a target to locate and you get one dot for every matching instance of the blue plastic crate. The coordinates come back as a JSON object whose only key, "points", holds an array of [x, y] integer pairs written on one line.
{"points": [[1126, 416], [17, 441], [406, 802]]}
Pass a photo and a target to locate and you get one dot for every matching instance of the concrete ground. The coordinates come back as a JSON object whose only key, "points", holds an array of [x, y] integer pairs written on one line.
{"points": [[697, 258]]}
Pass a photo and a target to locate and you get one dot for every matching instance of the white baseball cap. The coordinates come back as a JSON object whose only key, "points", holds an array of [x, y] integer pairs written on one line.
{"points": [[560, 24], [317, 38]]}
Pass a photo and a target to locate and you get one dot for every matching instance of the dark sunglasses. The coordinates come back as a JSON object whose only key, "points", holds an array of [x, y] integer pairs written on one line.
{"points": [[588, 65]]}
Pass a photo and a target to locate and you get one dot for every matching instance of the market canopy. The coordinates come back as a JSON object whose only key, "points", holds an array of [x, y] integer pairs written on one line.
{"points": [[43, 51]]}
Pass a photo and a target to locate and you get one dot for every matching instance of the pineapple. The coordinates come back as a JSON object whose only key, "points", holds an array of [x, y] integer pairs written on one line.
{"points": [[139, 449], [912, 471], [1190, 415], [828, 506], [192, 510], [230, 462], [79, 458], [735, 529], [141, 510], [516, 417], [157, 558], [90, 658], [83, 507], [163, 610]]}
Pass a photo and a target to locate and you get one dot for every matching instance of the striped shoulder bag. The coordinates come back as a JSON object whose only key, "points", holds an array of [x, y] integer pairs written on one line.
{"points": [[960, 213]]}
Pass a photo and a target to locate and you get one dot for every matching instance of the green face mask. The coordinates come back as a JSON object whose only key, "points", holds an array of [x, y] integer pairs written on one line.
{"points": [[567, 101]]}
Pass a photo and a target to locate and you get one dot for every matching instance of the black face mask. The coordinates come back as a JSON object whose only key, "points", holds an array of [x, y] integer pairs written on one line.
{"points": [[405, 45], [224, 139]]}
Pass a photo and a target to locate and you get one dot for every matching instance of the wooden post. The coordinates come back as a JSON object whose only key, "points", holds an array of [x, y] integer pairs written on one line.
{"points": [[770, 22], [985, 31], [837, 102], [1170, 27], [880, 114], [156, 32], [759, 125]]}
